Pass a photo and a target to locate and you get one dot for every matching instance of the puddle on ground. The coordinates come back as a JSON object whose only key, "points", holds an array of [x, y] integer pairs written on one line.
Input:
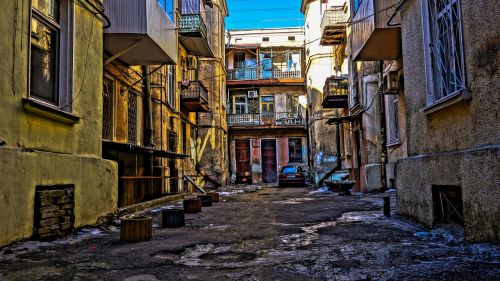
{"points": [[305, 238], [292, 201]]}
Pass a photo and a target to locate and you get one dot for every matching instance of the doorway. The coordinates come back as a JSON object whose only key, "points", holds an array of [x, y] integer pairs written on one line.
{"points": [[242, 149], [269, 167], [267, 104]]}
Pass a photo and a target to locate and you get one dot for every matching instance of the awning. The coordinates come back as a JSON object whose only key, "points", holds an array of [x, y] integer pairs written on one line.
{"points": [[342, 119], [127, 147]]}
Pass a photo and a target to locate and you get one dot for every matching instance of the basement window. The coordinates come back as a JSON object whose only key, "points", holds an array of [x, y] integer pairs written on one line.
{"points": [[447, 204], [265, 39]]}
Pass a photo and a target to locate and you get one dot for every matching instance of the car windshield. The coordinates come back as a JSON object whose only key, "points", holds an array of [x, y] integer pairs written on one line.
{"points": [[289, 169]]}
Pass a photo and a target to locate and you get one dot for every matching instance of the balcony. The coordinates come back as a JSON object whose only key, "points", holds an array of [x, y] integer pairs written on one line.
{"points": [[281, 119], [239, 74], [194, 96], [370, 34], [192, 28], [335, 93], [140, 34], [333, 26]]}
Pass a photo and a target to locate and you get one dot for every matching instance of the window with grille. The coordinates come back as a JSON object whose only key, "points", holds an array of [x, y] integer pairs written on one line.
{"points": [[171, 85], [132, 117], [393, 136], [107, 108], [445, 61], [294, 150]]}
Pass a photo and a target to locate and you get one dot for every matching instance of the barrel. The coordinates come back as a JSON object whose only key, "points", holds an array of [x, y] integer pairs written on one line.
{"points": [[206, 200], [172, 218], [192, 205], [136, 229], [215, 196]]}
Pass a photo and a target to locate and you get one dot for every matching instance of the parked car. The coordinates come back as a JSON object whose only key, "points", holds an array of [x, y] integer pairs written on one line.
{"points": [[292, 176]]}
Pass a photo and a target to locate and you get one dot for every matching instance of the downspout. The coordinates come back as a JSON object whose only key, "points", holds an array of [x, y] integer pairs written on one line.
{"points": [[383, 140], [308, 134], [148, 109]]}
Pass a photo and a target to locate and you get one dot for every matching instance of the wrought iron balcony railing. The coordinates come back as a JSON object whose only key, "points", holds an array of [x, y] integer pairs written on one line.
{"points": [[194, 96], [333, 26], [258, 74], [257, 119], [193, 25]]}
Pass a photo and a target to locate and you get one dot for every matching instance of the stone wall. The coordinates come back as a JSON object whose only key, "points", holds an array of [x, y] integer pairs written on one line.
{"points": [[54, 212]]}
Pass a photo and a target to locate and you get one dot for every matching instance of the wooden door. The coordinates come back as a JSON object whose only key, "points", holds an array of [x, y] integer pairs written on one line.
{"points": [[268, 111], [243, 173], [269, 168]]}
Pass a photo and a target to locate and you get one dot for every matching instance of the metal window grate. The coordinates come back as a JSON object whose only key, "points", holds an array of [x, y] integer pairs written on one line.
{"points": [[446, 48], [107, 107], [393, 120], [132, 117]]}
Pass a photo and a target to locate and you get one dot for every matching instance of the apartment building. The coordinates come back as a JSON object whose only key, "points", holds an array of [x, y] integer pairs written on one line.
{"points": [[53, 176], [266, 103], [450, 63]]}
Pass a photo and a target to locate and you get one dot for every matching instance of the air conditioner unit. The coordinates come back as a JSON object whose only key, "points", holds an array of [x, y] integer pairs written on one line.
{"points": [[192, 62], [253, 94], [391, 83]]}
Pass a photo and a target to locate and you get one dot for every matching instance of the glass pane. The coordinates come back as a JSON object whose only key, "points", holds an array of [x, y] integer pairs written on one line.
{"points": [[43, 61], [49, 8], [289, 170]]}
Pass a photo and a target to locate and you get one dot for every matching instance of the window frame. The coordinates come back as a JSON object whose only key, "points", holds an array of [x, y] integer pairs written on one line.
{"points": [[393, 123], [245, 104], [431, 97], [113, 106], [293, 142], [137, 127], [64, 56]]}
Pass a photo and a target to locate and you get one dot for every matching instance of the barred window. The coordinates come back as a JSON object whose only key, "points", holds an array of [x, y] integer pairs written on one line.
{"points": [[107, 108], [132, 117], [171, 86], [393, 122], [445, 54]]}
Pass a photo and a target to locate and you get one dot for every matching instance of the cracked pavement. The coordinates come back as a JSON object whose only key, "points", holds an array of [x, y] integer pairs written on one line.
{"points": [[273, 234]]}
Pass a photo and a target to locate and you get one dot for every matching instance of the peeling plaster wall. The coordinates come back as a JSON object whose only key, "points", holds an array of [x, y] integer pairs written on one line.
{"points": [[41, 151], [459, 144]]}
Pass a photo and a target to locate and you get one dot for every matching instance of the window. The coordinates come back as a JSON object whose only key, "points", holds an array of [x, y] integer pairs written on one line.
{"points": [[168, 7], [294, 150], [265, 39], [132, 117], [393, 122], [240, 104], [444, 54], [171, 85], [292, 104], [291, 38], [356, 4], [49, 49], [107, 108]]}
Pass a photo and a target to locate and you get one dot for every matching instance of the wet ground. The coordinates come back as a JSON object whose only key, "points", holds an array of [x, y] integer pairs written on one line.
{"points": [[274, 234]]}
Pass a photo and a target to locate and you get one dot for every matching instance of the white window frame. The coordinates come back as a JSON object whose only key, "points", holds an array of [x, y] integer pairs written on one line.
{"points": [[64, 83], [433, 96], [234, 103]]}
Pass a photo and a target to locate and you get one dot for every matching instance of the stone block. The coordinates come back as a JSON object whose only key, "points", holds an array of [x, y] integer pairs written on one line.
{"points": [[64, 200], [48, 222], [65, 219], [47, 215], [45, 202], [66, 226], [48, 209], [67, 206]]}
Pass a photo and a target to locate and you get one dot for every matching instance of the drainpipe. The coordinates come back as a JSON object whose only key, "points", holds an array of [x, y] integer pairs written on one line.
{"points": [[383, 139], [308, 134], [148, 109]]}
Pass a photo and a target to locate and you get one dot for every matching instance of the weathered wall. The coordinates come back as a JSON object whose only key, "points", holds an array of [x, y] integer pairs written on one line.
{"points": [[42, 151], [95, 181], [452, 145]]}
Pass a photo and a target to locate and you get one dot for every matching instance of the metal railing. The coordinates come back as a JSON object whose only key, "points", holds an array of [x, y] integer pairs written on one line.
{"points": [[256, 74], [335, 17], [192, 24], [256, 119], [194, 91]]}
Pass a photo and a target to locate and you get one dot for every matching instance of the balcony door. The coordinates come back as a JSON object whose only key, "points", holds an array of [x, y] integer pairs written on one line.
{"points": [[267, 110]]}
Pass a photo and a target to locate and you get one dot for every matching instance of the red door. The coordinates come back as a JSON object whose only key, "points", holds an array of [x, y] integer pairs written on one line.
{"points": [[269, 169], [243, 174]]}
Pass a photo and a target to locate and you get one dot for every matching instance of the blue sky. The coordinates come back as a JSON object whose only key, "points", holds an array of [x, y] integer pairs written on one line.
{"points": [[244, 14]]}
